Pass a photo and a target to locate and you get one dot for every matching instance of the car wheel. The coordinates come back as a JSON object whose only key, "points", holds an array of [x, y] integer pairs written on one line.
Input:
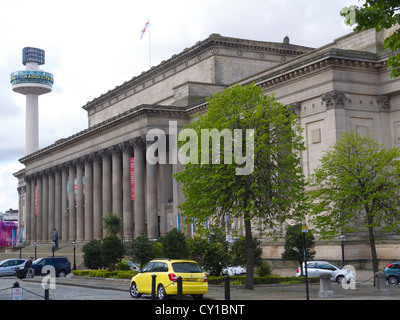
{"points": [[393, 280], [161, 294], [197, 296], [61, 273], [134, 291], [339, 279]]}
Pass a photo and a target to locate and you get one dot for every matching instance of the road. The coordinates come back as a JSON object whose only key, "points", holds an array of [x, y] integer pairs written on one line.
{"points": [[34, 291]]}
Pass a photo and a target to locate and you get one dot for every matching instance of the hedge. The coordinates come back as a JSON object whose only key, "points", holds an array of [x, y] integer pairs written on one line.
{"points": [[211, 280], [105, 274]]}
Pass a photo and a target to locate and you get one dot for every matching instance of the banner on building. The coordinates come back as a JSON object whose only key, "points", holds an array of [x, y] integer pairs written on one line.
{"points": [[132, 165]]}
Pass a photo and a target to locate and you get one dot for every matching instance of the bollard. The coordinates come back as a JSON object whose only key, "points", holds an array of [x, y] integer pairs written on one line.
{"points": [[153, 287], [325, 289], [46, 294], [16, 291], [180, 288], [380, 278], [227, 288]]}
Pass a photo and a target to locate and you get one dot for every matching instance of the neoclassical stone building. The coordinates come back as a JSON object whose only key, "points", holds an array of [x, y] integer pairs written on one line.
{"points": [[73, 183]]}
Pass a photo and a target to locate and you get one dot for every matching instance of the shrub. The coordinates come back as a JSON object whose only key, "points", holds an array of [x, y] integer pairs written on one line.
{"points": [[92, 254], [143, 250], [112, 251], [174, 245]]}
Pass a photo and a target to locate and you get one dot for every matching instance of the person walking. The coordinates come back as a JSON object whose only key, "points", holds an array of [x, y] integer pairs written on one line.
{"points": [[28, 266]]}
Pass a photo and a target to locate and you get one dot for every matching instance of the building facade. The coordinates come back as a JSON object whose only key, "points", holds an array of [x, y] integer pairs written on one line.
{"points": [[73, 183]]}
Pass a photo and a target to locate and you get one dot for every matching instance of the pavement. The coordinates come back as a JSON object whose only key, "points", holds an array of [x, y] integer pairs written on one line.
{"points": [[363, 289]]}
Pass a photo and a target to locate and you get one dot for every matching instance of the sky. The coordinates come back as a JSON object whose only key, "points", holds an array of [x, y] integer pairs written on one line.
{"points": [[92, 46]]}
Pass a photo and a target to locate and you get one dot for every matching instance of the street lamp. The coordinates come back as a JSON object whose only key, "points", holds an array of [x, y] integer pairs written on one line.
{"points": [[20, 248], [35, 245], [342, 238], [304, 229], [53, 244], [74, 245]]}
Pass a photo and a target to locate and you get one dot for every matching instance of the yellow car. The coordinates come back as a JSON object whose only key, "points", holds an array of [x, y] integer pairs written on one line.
{"points": [[167, 271]]}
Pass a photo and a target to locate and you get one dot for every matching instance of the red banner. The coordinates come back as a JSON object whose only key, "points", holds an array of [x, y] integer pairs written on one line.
{"points": [[35, 200], [132, 164]]}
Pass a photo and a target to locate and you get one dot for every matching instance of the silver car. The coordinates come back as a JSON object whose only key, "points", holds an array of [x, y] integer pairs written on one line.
{"points": [[8, 266], [315, 268]]}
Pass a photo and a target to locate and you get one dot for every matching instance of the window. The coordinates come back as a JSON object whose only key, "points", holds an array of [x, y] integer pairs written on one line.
{"points": [[186, 267], [148, 267]]}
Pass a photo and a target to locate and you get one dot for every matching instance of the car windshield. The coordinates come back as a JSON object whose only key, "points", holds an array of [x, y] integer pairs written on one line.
{"points": [[186, 267]]}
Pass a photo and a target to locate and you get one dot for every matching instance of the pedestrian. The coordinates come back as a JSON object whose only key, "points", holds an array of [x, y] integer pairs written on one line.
{"points": [[28, 266]]}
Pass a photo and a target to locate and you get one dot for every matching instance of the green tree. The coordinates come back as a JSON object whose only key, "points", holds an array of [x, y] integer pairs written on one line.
{"points": [[238, 252], [174, 245], [142, 250], [112, 224], [112, 251], [92, 254], [378, 15], [294, 245], [357, 187], [213, 256], [265, 180]]}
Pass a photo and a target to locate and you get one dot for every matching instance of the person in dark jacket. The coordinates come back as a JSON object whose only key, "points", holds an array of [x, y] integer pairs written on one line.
{"points": [[28, 266]]}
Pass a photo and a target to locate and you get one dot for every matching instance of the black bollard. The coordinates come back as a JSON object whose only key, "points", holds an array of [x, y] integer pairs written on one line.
{"points": [[153, 287], [227, 288], [180, 289], [46, 294]]}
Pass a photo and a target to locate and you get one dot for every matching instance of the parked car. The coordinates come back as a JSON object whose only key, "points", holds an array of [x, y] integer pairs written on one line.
{"points": [[133, 265], [234, 271], [61, 265], [315, 268], [392, 271], [194, 279], [8, 266]]}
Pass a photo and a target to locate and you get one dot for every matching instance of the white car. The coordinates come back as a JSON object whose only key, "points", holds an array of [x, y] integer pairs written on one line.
{"points": [[315, 268], [234, 271], [8, 266]]}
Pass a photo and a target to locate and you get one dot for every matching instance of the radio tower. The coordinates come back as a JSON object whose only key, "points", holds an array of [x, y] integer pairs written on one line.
{"points": [[32, 82]]}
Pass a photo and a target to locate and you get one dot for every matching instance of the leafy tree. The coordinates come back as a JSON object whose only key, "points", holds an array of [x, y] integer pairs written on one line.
{"points": [[294, 245], [112, 250], [265, 180], [378, 15], [357, 187], [92, 254], [174, 245], [142, 250], [112, 223], [238, 252], [213, 256]]}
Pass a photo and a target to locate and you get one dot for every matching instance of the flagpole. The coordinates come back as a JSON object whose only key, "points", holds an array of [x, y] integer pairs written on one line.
{"points": [[149, 47]]}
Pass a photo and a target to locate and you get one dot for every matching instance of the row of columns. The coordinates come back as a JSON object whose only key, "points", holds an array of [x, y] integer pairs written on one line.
{"points": [[103, 185]]}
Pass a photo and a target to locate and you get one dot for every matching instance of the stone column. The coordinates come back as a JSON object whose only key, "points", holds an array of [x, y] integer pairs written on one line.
{"points": [[51, 210], [33, 208], [127, 205], [97, 197], [116, 181], [139, 209], [58, 200], [80, 219], [28, 209], [71, 202], [45, 206], [107, 184], [64, 210], [151, 198], [39, 206], [88, 199]]}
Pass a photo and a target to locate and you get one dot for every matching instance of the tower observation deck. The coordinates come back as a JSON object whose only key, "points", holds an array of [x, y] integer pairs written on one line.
{"points": [[32, 82]]}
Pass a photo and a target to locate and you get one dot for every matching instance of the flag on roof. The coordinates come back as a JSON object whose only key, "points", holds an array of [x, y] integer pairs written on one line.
{"points": [[144, 29]]}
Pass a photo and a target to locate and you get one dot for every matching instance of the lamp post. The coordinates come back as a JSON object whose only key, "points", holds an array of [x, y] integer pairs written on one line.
{"points": [[342, 238], [35, 245], [304, 229], [20, 248], [53, 244], [74, 245]]}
